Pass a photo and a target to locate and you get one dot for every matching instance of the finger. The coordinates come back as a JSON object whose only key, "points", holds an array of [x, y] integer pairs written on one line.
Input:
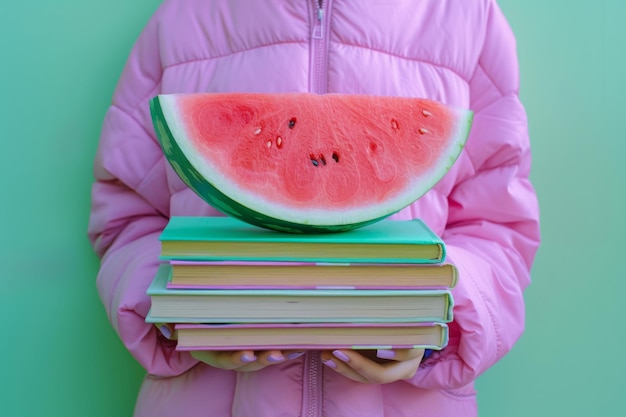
{"points": [[292, 354], [271, 357], [168, 330], [341, 367], [245, 360], [234, 359], [355, 365], [399, 354], [378, 373], [268, 358], [225, 359], [387, 355]]}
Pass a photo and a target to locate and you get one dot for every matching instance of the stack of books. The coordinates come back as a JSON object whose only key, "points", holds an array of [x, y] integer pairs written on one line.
{"points": [[228, 285]]}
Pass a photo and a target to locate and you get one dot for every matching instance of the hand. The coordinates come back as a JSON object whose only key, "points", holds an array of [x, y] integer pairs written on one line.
{"points": [[244, 360], [362, 366]]}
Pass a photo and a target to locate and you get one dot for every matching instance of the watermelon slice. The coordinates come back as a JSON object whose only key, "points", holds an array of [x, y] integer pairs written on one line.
{"points": [[301, 162]]}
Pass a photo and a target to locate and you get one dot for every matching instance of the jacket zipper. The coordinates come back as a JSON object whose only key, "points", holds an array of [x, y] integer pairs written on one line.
{"points": [[319, 46], [312, 387], [312, 373]]}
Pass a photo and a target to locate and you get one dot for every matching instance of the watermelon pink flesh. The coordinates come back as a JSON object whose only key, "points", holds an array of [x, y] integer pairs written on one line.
{"points": [[321, 161]]}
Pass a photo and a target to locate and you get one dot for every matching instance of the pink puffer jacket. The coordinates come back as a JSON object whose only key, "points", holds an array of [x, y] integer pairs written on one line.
{"points": [[461, 52]]}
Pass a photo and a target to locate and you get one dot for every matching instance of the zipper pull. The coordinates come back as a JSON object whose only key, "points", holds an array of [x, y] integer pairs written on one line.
{"points": [[318, 30]]}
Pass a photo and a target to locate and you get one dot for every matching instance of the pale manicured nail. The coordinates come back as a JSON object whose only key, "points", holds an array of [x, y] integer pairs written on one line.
{"points": [[329, 363], [294, 355], [340, 355], [247, 358], [385, 354], [275, 358], [166, 331]]}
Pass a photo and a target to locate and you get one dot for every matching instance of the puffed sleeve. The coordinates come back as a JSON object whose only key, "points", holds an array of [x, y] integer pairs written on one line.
{"points": [[492, 232], [130, 207]]}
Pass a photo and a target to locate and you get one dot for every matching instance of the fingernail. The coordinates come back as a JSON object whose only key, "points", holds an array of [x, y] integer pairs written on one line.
{"points": [[166, 331], [294, 355], [385, 354], [329, 363], [247, 358], [340, 355], [275, 358]]}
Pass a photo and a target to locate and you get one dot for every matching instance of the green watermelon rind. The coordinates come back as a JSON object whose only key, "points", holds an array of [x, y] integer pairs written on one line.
{"points": [[194, 180], [181, 162]]}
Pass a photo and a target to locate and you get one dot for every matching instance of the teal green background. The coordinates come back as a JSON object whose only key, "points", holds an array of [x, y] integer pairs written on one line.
{"points": [[60, 63]]}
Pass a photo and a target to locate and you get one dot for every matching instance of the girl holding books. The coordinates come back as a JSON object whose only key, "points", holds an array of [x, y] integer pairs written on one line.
{"points": [[461, 52]]}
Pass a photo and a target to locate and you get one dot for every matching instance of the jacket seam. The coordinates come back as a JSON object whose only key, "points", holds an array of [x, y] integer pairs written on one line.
{"points": [[231, 53], [486, 73], [131, 115], [406, 58], [492, 320], [133, 108], [475, 168], [421, 60]]}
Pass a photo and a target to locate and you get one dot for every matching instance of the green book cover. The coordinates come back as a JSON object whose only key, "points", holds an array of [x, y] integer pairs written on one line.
{"points": [[226, 238], [285, 305]]}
